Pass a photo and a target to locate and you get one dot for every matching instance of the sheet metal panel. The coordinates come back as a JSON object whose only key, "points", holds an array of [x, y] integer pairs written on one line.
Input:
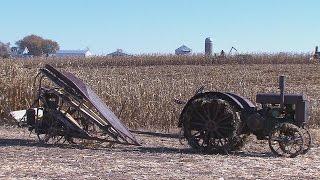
{"points": [[273, 98], [246, 103]]}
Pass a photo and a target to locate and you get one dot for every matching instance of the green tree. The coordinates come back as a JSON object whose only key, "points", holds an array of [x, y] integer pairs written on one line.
{"points": [[49, 46], [38, 46]]}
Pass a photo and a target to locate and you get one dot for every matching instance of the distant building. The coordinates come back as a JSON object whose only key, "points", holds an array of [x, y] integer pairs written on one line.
{"points": [[16, 52], [73, 53], [118, 52], [183, 50], [208, 46], [316, 54]]}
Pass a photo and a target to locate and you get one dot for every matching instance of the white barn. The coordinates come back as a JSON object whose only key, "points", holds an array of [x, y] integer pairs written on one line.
{"points": [[73, 53], [183, 50]]}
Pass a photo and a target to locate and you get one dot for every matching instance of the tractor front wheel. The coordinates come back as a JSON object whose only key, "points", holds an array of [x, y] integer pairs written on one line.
{"points": [[286, 140]]}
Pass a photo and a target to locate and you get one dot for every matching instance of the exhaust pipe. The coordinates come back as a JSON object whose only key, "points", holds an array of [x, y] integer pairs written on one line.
{"points": [[282, 89]]}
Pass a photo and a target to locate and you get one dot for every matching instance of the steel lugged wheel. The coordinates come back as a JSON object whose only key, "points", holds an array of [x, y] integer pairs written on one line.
{"points": [[307, 140], [286, 140], [211, 124]]}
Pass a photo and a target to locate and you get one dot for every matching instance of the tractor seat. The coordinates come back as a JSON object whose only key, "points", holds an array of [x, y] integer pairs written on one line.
{"points": [[273, 98]]}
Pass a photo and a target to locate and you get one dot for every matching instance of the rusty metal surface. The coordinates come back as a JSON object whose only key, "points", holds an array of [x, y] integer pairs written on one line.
{"points": [[274, 98], [246, 103], [71, 123], [85, 92]]}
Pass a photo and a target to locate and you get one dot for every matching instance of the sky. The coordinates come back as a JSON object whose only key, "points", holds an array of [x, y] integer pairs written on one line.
{"points": [[161, 26]]}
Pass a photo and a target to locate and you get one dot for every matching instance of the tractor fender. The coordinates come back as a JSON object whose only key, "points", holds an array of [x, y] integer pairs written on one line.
{"points": [[225, 96], [248, 106]]}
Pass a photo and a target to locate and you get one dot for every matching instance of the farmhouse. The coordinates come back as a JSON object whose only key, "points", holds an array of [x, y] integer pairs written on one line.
{"points": [[183, 50], [73, 53]]}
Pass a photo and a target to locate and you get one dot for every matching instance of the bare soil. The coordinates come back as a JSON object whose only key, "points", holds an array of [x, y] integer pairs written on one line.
{"points": [[159, 157]]}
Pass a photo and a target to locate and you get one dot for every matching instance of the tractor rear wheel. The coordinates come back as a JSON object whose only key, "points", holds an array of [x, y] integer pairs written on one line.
{"points": [[212, 125]]}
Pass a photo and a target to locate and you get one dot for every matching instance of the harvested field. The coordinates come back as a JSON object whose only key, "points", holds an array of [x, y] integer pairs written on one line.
{"points": [[159, 157], [140, 91]]}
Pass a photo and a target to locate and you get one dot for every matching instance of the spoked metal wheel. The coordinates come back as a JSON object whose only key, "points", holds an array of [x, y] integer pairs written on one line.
{"points": [[48, 136], [211, 124], [307, 140], [286, 140], [52, 136], [43, 138]]}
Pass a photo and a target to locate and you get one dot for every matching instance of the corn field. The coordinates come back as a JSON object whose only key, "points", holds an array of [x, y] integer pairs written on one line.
{"points": [[140, 89]]}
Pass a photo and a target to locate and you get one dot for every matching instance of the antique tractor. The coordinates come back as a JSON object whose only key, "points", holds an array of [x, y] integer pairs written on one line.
{"points": [[220, 122]]}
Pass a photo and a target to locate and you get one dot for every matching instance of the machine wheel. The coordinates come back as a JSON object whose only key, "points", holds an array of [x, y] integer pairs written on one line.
{"points": [[44, 138], [307, 140], [48, 132], [49, 139], [286, 140], [211, 125], [50, 136]]}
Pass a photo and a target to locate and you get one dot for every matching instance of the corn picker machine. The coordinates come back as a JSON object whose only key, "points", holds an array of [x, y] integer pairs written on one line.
{"points": [[67, 110], [220, 122]]}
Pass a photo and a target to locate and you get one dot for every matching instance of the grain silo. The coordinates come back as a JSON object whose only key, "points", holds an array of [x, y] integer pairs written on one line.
{"points": [[208, 47]]}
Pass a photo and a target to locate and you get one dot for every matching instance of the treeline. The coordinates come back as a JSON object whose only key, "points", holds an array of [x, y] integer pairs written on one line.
{"points": [[36, 45]]}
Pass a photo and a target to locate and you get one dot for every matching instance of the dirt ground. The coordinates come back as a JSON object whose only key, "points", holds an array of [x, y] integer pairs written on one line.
{"points": [[160, 157]]}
